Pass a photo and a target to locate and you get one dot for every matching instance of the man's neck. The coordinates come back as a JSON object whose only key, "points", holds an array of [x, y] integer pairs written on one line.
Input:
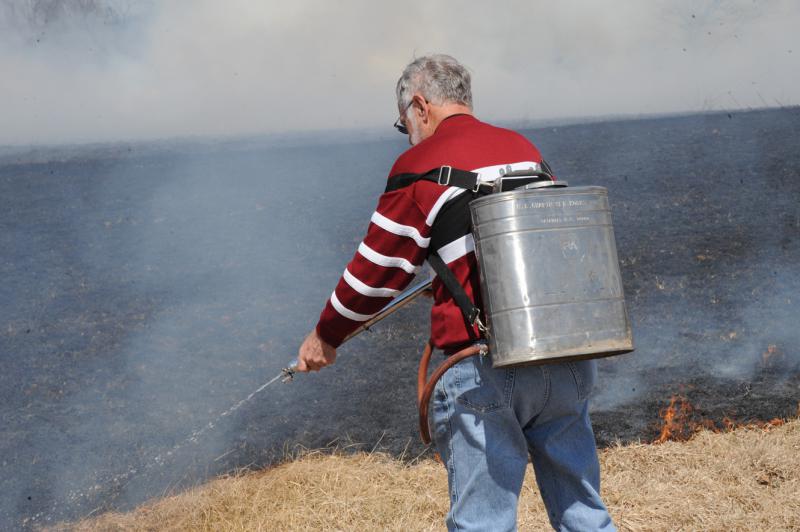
{"points": [[441, 112]]}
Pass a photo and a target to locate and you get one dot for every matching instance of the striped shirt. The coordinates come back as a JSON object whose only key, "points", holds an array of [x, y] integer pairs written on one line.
{"points": [[398, 239]]}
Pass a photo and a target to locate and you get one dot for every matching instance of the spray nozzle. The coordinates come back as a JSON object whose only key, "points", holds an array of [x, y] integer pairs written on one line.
{"points": [[289, 371]]}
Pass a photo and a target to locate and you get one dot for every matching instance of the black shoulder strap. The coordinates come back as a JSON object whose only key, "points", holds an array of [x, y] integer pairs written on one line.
{"points": [[468, 309], [449, 177], [443, 175], [454, 177]]}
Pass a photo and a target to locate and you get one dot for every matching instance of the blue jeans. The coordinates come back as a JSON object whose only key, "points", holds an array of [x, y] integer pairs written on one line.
{"points": [[485, 423]]}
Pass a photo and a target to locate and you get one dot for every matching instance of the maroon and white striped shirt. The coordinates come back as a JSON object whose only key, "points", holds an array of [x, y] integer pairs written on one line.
{"points": [[399, 233]]}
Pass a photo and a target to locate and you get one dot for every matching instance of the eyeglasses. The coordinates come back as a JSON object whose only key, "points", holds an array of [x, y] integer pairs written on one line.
{"points": [[398, 124]]}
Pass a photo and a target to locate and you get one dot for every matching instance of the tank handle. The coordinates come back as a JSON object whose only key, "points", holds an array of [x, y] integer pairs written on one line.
{"points": [[545, 184], [526, 178]]}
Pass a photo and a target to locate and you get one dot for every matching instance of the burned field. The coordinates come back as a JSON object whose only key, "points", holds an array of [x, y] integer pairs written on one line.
{"points": [[148, 288]]}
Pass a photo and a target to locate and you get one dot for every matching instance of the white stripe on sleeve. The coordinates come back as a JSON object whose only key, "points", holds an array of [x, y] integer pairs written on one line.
{"points": [[382, 260], [399, 229], [365, 289], [447, 195], [457, 248], [346, 312]]}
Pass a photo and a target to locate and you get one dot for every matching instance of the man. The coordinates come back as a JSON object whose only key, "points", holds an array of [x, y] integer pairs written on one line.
{"points": [[485, 421]]}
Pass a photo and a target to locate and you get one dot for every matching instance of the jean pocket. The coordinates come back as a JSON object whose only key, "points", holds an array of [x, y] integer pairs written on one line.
{"points": [[584, 373], [475, 392]]}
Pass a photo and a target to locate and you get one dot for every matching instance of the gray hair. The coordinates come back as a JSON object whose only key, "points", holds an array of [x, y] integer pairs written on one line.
{"points": [[439, 78]]}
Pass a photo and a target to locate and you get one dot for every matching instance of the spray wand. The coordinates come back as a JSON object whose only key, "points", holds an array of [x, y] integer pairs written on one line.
{"points": [[407, 296]]}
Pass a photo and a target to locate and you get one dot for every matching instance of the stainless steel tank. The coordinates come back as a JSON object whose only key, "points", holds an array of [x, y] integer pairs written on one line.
{"points": [[550, 275]]}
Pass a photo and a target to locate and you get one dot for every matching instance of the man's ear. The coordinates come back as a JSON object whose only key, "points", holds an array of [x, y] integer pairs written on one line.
{"points": [[421, 108]]}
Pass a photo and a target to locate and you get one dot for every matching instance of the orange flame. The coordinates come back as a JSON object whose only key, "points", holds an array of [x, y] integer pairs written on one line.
{"points": [[680, 422], [675, 420]]}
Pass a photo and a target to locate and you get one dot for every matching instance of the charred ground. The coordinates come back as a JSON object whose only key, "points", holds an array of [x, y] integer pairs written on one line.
{"points": [[147, 288]]}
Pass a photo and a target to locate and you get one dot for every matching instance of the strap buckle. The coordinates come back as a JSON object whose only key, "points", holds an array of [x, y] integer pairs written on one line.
{"points": [[441, 172]]}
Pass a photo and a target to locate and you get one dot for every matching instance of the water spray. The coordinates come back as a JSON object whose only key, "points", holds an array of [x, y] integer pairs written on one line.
{"points": [[286, 375]]}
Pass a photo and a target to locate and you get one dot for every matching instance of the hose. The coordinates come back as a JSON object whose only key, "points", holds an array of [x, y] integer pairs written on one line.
{"points": [[425, 389]]}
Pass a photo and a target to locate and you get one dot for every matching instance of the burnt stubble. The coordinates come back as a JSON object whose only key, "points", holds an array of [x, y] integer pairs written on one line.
{"points": [[149, 287]]}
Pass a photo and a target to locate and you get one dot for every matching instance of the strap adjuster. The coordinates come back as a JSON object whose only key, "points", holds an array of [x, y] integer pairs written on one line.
{"points": [[477, 187], [441, 172]]}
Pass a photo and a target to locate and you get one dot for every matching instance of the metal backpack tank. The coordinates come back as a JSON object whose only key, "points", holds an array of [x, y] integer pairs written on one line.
{"points": [[550, 275]]}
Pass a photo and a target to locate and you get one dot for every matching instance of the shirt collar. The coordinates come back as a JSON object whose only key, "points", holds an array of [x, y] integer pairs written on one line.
{"points": [[453, 121]]}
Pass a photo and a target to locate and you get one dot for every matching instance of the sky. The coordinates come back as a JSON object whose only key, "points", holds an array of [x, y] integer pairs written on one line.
{"points": [[107, 70]]}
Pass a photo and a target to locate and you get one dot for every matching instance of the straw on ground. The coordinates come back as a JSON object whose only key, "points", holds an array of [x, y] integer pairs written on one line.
{"points": [[748, 479]]}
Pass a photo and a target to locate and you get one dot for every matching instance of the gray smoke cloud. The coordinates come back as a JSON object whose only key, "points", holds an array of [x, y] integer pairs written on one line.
{"points": [[94, 70]]}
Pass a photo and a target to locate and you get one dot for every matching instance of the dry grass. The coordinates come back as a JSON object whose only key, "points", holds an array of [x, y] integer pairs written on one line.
{"points": [[748, 479]]}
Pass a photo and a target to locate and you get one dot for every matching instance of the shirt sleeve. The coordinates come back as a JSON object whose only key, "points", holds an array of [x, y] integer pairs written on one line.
{"points": [[386, 261]]}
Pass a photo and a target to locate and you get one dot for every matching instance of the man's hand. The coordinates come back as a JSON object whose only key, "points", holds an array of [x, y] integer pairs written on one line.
{"points": [[315, 354]]}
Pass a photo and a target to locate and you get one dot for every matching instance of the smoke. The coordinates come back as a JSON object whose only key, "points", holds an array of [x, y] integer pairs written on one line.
{"points": [[707, 228], [167, 287], [93, 70], [150, 288]]}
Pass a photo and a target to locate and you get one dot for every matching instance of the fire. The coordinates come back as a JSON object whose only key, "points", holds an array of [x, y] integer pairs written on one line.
{"points": [[677, 424], [766, 425], [680, 421]]}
